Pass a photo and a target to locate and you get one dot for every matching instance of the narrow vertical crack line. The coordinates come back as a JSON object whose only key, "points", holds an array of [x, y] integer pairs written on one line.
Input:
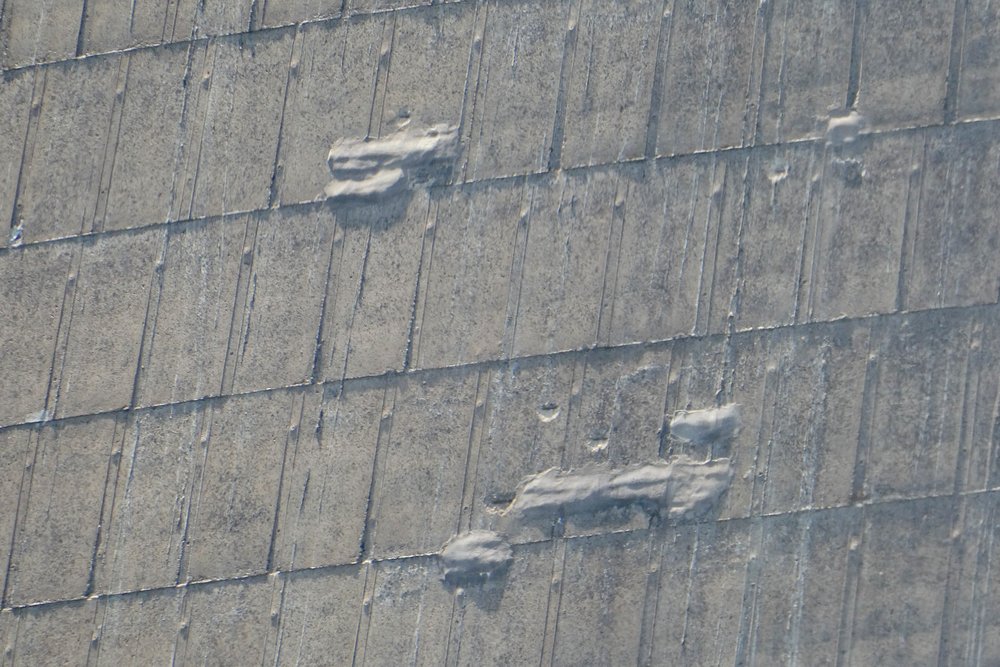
{"points": [[131, 19], [692, 569], [550, 624], [970, 396], [455, 611], [293, 58], [950, 575], [204, 440], [81, 32], [212, 49], [767, 9], [229, 368], [868, 409], [663, 42], [381, 67], [956, 57], [719, 200], [471, 454], [69, 300], [857, 50], [748, 601], [411, 326], [38, 86], [609, 240], [153, 296], [565, 73], [911, 224], [810, 190], [364, 618], [107, 172], [180, 144], [69, 292], [378, 462], [475, 61], [27, 473], [317, 361], [112, 465], [739, 280], [852, 590], [357, 305], [293, 434]]}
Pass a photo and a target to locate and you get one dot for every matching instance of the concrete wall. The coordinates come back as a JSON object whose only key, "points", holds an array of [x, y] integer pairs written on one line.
{"points": [[238, 422]]}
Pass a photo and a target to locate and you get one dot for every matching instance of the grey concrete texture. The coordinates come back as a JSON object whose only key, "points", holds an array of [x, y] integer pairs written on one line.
{"points": [[241, 122], [240, 422]]}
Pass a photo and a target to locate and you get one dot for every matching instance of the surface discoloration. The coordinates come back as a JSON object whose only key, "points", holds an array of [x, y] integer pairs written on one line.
{"points": [[368, 169], [678, 488], [702, 426], [475, 556]]}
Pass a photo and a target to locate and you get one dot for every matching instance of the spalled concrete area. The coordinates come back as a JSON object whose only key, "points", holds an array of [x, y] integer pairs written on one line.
{"points": [[644, 332]]}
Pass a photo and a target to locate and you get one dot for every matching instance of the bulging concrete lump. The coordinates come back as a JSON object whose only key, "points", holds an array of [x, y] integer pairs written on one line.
{"points": [[678, 488], [711, 425], [474, 556], [844, 129], [374, 168]]}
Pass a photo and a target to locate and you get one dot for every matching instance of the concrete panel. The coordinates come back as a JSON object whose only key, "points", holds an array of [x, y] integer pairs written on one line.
{"points": [[17, 446], [427, 67], [470, 280], [418, 493], [59, 635], [489, 616], [853, 263], [113, 25], [950, 254], [32, 290], [708, 68], [916, 407], [517, 86], [669, 243], [603, 587], [59, 521], [411, 613], [283, 12], [372, 286], [330, 96], [904, 61], [806, 72], [784, 194], [226, 623], [146, 537], [817, 406], [700, 597], [320, 613], [150, 143], [246, 79], [279, 303], [193, 315], [138, 629], [36, 31], [232, 518], [893, 623], [524, 432], [978, 93], [65, 159], [566, 257], [616, 414], [609, 81], [106, 320], [15, 105], [328, 477]]}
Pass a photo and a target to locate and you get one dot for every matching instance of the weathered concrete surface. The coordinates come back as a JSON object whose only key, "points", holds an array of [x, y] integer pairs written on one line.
{"points": [[240, 423]]}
